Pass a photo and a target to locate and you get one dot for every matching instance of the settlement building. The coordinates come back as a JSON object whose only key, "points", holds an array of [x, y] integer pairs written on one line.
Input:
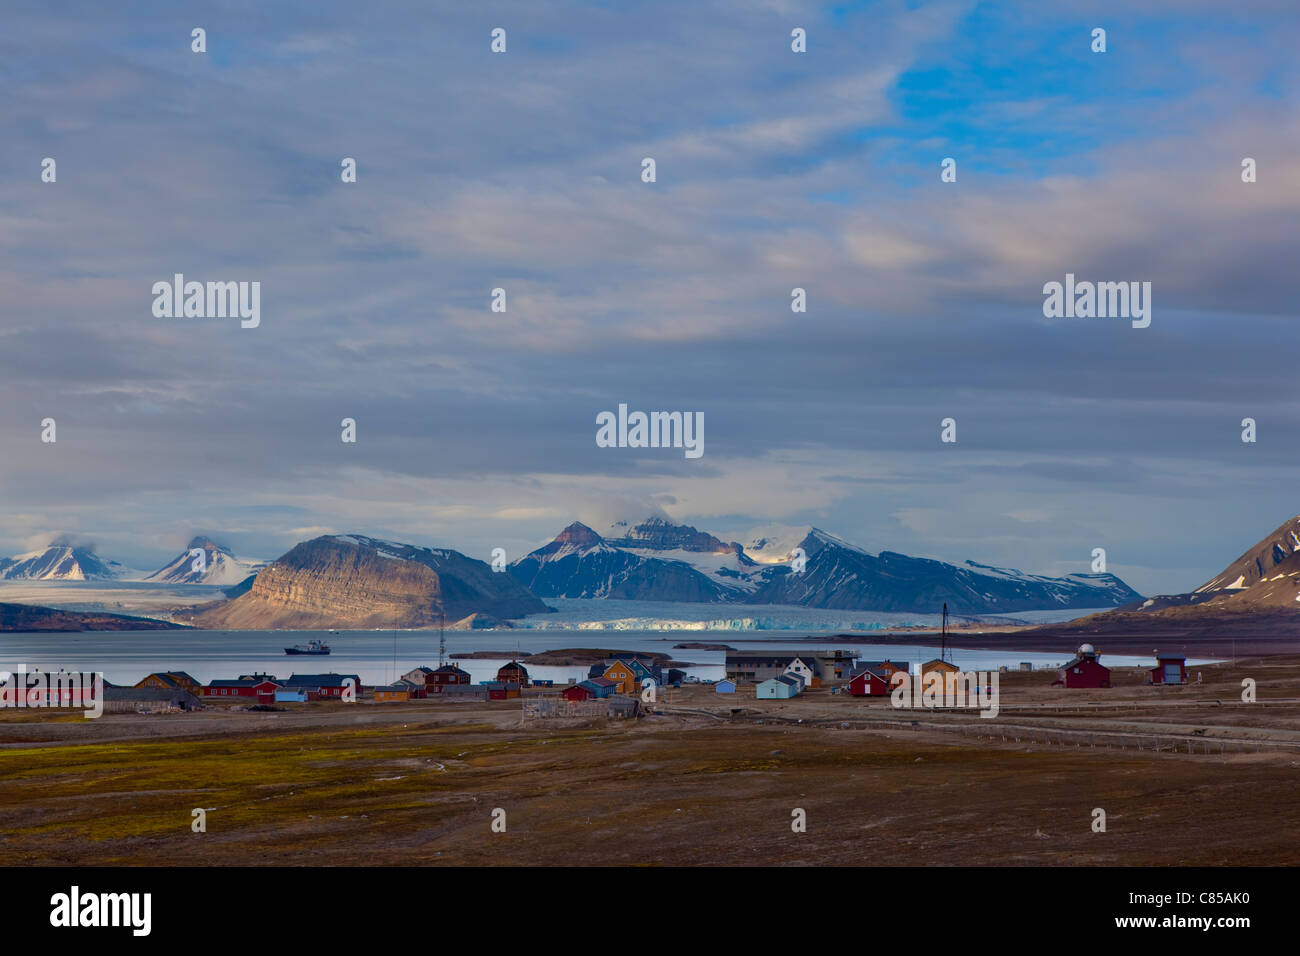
{"points": [[147, 699], [172, 680], [1084, 671], [622, 674], [513, 673], [1168, 670], [797, 668], [868, 681], [755, 666], [943, 667], [448, 675], [259, 690], [780, 687], [323, 686]]}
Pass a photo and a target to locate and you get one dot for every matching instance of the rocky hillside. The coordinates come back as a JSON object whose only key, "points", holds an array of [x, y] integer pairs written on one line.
{"points": [[27, 617], [1257, 594], [358, 582]]}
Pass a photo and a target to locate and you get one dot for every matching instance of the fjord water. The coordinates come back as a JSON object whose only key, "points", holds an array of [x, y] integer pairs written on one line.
{"points": [[377, 657]]}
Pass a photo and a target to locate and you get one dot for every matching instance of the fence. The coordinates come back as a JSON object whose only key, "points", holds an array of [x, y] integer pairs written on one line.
{"points": [[557, 708]]}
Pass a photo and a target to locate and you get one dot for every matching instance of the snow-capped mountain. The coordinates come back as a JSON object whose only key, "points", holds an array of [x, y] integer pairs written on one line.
{"points": [[63, 562], [580, 563], [839, 575], [219, 566], [657, 560]]}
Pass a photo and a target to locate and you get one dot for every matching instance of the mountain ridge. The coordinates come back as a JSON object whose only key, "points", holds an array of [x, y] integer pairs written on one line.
{"points": [[657, 560]]}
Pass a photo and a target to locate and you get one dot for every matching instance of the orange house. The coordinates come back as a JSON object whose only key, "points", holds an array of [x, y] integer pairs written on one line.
{"points": [[943, 667], [623, 676]]}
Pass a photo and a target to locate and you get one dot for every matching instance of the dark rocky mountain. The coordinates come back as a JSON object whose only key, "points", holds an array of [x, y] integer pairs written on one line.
{"points": [[659, 561], [354, 581]]}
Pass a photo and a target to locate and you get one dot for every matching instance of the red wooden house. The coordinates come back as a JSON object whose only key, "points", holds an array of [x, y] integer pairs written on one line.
{"points": [[1084, 671], [870, 682], [1168, 670], [444, 676], [578, 692], [513, 673], [886, 668], [260, 690]]}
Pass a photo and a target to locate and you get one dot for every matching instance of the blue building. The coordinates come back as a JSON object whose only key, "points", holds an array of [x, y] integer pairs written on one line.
{"points": [[724, 686], [778, 688]]}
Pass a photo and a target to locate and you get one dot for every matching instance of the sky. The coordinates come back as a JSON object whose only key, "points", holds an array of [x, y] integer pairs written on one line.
{"points": [[775, 170]]}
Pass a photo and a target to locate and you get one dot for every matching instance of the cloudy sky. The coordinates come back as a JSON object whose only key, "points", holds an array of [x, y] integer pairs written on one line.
{"points": [[775, 170]]}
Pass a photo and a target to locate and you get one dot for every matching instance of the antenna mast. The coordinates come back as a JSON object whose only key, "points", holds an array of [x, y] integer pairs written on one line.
{"points": [[943, 644], [442, 638]]}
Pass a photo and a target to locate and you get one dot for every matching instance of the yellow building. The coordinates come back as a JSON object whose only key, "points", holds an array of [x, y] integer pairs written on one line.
{"points": [[943, 667]]}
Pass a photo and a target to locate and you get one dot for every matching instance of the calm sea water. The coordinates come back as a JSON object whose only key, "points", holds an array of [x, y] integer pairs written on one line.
{"points": [[124, 657]]}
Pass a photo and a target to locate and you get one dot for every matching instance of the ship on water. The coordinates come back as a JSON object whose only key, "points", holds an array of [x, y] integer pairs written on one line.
{"points": [[311, 647]]}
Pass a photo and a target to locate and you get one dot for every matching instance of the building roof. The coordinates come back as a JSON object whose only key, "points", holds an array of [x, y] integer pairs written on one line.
{"points": [[450, 669], [873, 670], [245, 682], [601, 682], [402, 688], [177, 679], [1089, 659], [319, 680]]}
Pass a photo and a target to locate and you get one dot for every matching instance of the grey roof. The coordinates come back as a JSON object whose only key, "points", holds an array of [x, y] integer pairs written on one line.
{"points": [[873, 669], [318, 680]]}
